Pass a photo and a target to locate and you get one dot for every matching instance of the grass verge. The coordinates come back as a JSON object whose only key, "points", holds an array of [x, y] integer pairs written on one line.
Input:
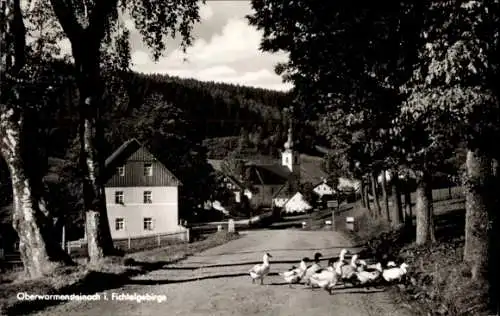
{"points": [[437, 282], [112, 273]]}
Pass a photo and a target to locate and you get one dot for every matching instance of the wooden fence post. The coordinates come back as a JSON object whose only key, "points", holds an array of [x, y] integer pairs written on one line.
{"points": [[333, 220], [63, 238], [159, 240], [188, 235], [128, 242]]}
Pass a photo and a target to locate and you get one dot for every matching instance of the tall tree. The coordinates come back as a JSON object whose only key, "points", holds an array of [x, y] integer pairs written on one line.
{"points": [[458, 80], [88, 24], [32, 220]]}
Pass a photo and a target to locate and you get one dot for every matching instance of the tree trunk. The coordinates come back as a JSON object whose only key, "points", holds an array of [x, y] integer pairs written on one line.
{"points": [[408, 207], [397, 213], [363, 197], [386, 196], [99, 241], [494, 244], [40, 252], [367, 197], [478, 204], [424, 210], [375, 195]]}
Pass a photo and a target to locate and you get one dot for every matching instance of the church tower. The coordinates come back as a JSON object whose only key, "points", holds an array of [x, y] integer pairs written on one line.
{"points": [[289, 157]]}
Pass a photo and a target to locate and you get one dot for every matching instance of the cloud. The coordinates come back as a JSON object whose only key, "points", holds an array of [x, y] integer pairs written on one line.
{"points": [[140, 58], [232, 56], [237, 41], [206, 12]]}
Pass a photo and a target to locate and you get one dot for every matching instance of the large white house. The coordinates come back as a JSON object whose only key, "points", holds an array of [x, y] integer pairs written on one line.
{"points": [[142, 195]]}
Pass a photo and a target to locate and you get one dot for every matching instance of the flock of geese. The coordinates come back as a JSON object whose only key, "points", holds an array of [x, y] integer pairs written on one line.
{"points": [[355, 271]]}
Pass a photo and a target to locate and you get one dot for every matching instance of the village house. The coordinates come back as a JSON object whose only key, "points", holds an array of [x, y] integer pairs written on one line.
{"points": [[230, 181], [296, 204], [142, 195], [322, 189]]}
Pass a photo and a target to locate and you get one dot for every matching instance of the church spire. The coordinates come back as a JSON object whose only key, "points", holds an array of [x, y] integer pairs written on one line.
{"points": [[289, 142]]}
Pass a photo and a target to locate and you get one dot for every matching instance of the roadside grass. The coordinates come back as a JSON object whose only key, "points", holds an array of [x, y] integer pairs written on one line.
{"points": [[437, 282], [111, 273]]}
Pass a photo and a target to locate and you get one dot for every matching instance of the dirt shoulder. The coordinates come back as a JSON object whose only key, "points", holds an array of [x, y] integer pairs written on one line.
{"points": [[112, 273]]}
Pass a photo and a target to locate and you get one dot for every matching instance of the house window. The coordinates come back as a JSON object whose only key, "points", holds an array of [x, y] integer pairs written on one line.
{"points": [[148, 170], [119, 197], [121, 171], [119, 224], [148, 197], [148, 223]]}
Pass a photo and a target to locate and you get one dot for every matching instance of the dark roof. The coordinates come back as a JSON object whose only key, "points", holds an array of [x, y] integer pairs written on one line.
{"points": [[122, 153], [311, 169], [283, 192], [132, 152], [216, 164], [235, 182], [268, 174]]}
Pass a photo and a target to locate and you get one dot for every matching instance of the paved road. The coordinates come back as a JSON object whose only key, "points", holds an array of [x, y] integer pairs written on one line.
{"points": [[192, 288]]}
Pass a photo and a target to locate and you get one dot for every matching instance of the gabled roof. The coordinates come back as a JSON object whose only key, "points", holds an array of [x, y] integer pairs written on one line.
{"points": [[216, 164], [133, 150], [283, 192], [268, 174], [235, 182], [122, 153], [311, 170]]}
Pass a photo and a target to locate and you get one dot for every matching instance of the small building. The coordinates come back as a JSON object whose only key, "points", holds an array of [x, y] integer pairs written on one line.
{"points": [[297, 204], [230, 181], [142, 195], [323, 189]]}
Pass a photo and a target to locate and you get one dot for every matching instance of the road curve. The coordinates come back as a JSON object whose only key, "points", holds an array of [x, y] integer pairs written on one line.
{"points": [[215, 282]]}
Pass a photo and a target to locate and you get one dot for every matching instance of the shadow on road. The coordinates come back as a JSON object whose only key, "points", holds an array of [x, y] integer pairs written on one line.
{"points": [[247, 263], [338, 290], [296, 249], [208, 277]]}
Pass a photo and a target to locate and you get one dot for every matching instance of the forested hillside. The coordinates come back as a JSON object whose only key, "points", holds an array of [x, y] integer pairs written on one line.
{"points": [[182, 122]]}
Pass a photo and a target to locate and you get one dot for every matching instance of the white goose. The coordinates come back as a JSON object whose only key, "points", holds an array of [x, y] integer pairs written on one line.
{"points": [[294, 275], [365, 277], [326, 278], [394, 274], [348, 270], [339, 263], [259, 271], [315, 267]]}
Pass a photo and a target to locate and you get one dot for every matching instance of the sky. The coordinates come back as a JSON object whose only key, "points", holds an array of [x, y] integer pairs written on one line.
{"points": [[225, 49]]}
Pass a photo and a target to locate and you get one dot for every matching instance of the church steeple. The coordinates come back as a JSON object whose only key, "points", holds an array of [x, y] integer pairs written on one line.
{"points": [[289, 142], [290, 158]]}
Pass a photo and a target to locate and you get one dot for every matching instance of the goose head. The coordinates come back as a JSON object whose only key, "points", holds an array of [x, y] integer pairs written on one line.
{"points": [[391, 264], [343, 252], [354, 259], [404, 266], [378, 267], [266, 257], [317, 255]]}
